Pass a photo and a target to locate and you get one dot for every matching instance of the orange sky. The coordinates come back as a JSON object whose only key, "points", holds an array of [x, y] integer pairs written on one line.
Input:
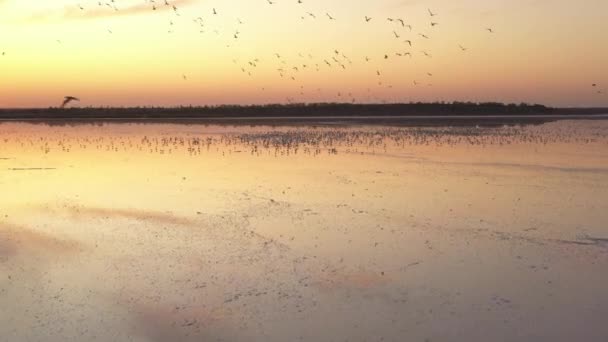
{"points": [[545, 51]]}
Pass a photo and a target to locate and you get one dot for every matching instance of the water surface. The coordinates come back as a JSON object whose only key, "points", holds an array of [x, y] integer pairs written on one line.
{"points": [[160, 232]]}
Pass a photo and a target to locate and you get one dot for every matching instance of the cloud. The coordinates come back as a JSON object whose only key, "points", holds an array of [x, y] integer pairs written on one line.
{"points": [[75, 13]]}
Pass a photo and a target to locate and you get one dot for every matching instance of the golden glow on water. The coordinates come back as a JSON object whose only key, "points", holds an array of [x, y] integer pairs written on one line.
{"points": [[190, 232]]}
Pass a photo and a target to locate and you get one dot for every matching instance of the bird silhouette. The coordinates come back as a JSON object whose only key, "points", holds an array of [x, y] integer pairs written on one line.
{"points": [[68, 99]]}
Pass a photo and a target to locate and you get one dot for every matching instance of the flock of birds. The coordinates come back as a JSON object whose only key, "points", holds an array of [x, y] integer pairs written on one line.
{"points": [[407, 41], [316, 141]]}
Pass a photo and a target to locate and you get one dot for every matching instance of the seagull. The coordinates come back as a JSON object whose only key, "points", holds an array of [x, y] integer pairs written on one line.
{"points": [[431, 13], [68, 99], [490, 30]]}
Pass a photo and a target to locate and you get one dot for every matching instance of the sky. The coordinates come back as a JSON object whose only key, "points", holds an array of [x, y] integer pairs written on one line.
{"points": [[125, 53]]}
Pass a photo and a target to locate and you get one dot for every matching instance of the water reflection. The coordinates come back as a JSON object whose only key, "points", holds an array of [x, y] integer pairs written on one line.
{"points": [[191, 232], [195, 139]]}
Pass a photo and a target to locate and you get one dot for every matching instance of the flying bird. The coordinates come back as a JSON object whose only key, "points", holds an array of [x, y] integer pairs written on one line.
{"points": [[68, 99]]}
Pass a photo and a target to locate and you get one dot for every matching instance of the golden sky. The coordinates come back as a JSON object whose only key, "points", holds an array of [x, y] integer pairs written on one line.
{"points": [[124, 53]]}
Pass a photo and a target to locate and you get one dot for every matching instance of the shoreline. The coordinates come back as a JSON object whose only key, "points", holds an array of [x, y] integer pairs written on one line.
{"points": [[408, 114], [394, 120]]}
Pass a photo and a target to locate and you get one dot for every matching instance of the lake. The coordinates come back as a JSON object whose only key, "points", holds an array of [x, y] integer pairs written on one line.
{"points": [[175, 232]]}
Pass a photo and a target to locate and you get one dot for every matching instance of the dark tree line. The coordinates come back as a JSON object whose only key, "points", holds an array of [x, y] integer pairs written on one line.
{"points": [[287, 110]]}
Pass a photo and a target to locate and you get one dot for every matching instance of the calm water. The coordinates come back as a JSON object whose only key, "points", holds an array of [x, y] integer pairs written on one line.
{"points": [[126, 232]]}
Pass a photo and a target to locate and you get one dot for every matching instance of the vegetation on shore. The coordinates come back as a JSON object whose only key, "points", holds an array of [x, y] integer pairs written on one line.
{"points": [[282, 110], [293, 110]]}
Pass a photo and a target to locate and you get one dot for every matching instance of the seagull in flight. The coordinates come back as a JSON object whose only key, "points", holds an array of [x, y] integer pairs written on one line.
{"points": [[68, 99]]}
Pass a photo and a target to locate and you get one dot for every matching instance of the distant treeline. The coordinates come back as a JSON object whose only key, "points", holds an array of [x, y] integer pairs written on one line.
{"points": [[291, 110]]}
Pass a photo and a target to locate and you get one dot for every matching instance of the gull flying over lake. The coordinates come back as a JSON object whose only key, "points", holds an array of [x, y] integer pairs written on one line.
{"points": [[68, 99]]}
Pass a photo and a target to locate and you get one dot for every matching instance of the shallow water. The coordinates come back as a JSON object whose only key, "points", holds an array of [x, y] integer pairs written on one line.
{"points": [[157, 232]]}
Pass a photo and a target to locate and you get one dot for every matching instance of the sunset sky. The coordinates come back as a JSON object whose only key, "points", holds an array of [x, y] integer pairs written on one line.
{"points": [[542, 51]]}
